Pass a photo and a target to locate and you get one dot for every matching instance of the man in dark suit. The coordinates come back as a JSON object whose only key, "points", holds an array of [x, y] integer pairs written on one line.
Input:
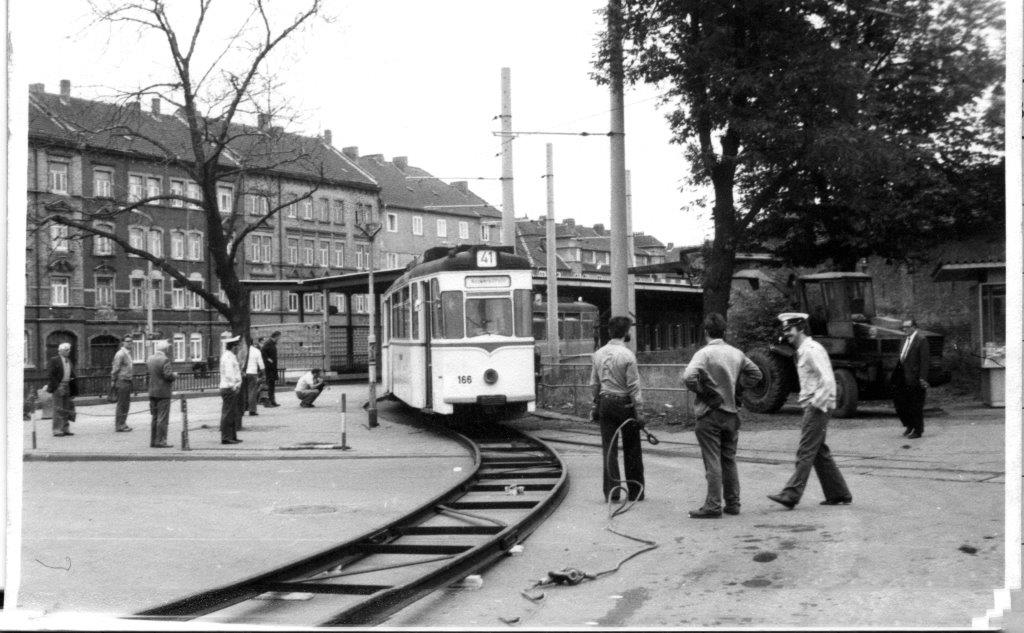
{"points": [[269, 350], [63, 384], [909, 380], [161, 376]]}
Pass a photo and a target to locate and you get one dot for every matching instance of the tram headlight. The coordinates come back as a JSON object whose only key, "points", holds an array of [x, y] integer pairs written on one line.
{"points": [[490, 376]]}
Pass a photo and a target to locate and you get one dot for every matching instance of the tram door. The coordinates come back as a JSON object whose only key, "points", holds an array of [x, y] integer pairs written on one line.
{"points": [[429, 296]]}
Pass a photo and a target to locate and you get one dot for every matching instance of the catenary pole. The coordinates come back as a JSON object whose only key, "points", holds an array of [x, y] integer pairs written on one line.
{"points": [[631, 255], [508, 207], [620, 301], [552, 262]]}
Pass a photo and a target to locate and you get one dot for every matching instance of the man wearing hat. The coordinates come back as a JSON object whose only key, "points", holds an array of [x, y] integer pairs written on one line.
{"points": [[230, 390], [63, 384], [121, 381], [818, 398], [161, 377], [909, 382]]}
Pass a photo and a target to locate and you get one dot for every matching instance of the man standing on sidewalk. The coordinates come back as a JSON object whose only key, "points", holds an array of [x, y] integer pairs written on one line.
{"points": [[121, 381], [161, 376], [712, 374], [253, 370], [63, 384], [909, 382], [817, 397], [230, 390], [269, 350], [615, 380]]}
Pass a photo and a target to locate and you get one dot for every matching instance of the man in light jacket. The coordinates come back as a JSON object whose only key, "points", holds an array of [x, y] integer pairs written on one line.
{"points": [[254, 369], [121, 381], [230, 390], [63, 384], [161, 377]]}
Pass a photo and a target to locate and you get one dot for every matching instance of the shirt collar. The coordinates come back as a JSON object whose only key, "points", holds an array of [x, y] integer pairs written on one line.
{"points": [[616, 341], [716, 341]]}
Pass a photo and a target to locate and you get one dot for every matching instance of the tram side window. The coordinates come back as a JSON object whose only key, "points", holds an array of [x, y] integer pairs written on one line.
{"points": [[401, 313], [523, 305], [451, 314], [417, 309], [489, 316]]}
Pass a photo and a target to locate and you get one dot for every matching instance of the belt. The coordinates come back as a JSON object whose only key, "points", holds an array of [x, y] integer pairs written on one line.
{"points": [[615, 396]]}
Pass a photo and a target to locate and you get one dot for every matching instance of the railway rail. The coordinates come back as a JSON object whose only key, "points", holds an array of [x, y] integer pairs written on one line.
{"points": [[516, 482]]}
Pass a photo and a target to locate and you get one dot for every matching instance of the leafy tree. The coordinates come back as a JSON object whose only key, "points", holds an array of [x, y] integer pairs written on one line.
{"points": [[826, 129]]}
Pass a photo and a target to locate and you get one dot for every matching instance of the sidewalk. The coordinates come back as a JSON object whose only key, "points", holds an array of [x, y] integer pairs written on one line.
{"points": [[284, 432]]}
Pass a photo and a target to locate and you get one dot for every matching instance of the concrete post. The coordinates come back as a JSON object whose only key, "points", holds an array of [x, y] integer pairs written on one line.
{"points": [[630, 258], [552, 263], [508, 210], [620, 303], [184, 425]]}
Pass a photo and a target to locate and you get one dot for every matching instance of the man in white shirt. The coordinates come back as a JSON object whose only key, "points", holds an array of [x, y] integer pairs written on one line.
{"points": [[254, 369], [817, 397], [309, 388], [230, 390]]}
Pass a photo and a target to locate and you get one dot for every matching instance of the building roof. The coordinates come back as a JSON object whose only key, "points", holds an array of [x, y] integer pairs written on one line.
{"points": [[413, 188]]}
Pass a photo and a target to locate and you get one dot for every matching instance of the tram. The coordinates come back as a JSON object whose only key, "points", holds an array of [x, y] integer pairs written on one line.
{"points": [[457, 332], [577, 328]]}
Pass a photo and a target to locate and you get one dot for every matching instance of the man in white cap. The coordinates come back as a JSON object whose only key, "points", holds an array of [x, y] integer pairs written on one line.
{"points": [[818, 398], [63, 384], [161, 377], [230, 390]]}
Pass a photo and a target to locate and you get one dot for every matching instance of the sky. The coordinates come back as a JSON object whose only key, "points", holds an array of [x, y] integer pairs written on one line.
{"points": [[422, 80]]}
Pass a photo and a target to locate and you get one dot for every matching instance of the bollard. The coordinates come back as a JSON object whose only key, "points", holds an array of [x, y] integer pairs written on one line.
{"points": [[33, 430], [184, 425], [344, 444]]}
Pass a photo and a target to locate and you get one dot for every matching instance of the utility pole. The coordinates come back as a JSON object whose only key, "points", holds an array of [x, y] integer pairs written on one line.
{"points": [[508, 206], [631, 257], [552, 262], [370, 228], [619, 246]]}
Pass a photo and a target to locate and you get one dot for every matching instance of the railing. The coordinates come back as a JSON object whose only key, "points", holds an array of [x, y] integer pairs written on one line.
{"points": [[99, 384]]}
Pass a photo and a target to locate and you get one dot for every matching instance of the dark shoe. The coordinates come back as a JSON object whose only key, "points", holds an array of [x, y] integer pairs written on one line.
{"points": [[231, 441], [789, 503], [733, 510], [162, 446], [253, 413], [914, 436], [906, 431], [705, 514], [68, 433], [124, 429], [60, 434], [837, 501], [305, 405]]}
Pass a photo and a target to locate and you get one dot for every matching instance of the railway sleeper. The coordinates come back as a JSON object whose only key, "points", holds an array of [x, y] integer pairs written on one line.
{"points": [[493, 505], [418, 549], [317, 587], [541, 474], [449, 529]]}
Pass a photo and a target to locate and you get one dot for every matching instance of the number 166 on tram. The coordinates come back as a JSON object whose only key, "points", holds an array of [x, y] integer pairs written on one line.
{"points": [[457, 332]]}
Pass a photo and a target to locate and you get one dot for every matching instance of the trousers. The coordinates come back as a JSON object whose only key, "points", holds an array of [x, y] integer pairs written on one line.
{"points": [[63, 409], [308, 396], [612, 413], [909, 402], [123, 389], [813, 452], [718, 434], [230, 413], [251, 387], [160, 415], [271, 386]]}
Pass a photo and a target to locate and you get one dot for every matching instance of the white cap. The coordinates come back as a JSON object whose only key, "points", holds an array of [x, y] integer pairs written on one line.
{"points": [[227, 338], [789, 319]]}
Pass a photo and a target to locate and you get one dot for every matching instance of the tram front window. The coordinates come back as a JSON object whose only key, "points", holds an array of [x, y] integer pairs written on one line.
{"points": [[489, 316]]}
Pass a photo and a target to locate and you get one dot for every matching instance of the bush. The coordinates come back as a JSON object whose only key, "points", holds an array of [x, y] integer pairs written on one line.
{"points": [[753, 315]]}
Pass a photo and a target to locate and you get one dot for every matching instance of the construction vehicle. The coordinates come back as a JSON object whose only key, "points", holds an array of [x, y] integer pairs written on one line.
{"points": [[864, 348]]}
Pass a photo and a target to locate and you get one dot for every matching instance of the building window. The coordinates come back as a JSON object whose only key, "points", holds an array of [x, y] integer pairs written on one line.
{"points": [[392, 260], [293, 251], [463, 230], [195, 346], [225, 198], [338, 212], [313, 302], [58, 177], [177, 189], [177, 245], [155, 245], [339, 255], [361, 304], [135, 295], [417, 225], [197, 300], [153, 188], [177, 296], [179, 347], [261, 248], [59, 238], [104, 292], [323, 209], [442, 228], [156, 293], [136, 188], [362, 257], [293, 302], [102, 183], [392, 220], [339, 302], [195, 193], [485, 232], [325, 254], [28, 350], [138, 350], [307, 252], [103, 245], [293, 211], [307, 209], [59, 291], [195, 246], [256, 204]]}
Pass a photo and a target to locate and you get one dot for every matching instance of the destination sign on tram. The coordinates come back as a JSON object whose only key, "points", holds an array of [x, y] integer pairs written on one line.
{"points": [[488, 281], [486, 259]]}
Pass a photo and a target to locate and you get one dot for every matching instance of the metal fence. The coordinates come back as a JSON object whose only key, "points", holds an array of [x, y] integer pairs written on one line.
{"points": [[99, 384]]}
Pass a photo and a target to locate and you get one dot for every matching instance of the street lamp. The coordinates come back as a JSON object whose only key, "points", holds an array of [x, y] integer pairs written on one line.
{"points": [[370, 230]]}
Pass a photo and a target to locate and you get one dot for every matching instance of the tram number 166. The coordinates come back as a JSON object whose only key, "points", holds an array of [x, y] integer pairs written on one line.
{"points": [[465, 380]]}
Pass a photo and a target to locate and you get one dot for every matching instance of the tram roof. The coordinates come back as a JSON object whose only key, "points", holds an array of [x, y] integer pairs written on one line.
{"points": [[348, 283]]}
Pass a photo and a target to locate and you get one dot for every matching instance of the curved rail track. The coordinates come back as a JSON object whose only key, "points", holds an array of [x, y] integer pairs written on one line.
{"points": [[516, 483]]}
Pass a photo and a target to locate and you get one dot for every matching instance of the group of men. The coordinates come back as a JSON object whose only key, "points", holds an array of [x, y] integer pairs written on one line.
{"points": [[714, 375]]}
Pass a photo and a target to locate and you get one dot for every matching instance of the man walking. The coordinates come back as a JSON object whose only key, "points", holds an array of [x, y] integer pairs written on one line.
{"points": [[121, 382], [309, 387], [909, 383], [161, 376], [712, 374], [230, 390], [817, 397], [269, 351], [253, 372], [63, 384], [615, 381]]}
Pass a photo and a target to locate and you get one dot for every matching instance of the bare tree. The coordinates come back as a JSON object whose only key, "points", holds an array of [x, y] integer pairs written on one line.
{"points": [[212, 84]]}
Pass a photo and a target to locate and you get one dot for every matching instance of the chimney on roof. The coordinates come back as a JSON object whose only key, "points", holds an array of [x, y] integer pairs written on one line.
{"points": [[599, 229], [263, 121], [155, 105], [377, 157], [328, 137], [351, 152], [569, 222], [65, 91], [461, 185], [401, 162], [133, 106], [36, 89], [669, 246]]}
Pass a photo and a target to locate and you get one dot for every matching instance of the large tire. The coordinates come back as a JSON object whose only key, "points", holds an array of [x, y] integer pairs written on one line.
{"points": [[846, 394], [770, 394]]}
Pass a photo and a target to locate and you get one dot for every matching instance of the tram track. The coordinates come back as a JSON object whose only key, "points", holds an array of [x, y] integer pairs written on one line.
{"points": [[515, 483]]}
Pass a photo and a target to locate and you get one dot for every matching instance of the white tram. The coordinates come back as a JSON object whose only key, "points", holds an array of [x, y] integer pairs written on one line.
{"points": [[457, 331]]}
